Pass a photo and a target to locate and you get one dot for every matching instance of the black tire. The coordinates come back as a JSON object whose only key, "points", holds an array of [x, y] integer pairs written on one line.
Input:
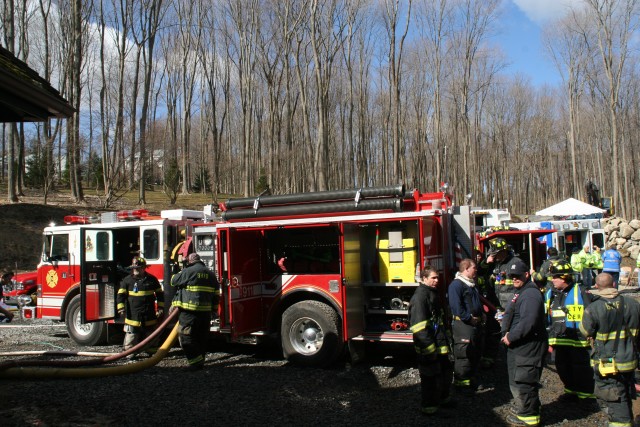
{"points": [[89, 334], [311, 334]]}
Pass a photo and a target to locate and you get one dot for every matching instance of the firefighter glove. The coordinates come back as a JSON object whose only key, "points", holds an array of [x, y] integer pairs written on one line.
{"points": [[160, 312]]}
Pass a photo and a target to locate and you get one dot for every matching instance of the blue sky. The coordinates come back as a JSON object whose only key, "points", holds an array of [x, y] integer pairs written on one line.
{"points": [[520, 35]]}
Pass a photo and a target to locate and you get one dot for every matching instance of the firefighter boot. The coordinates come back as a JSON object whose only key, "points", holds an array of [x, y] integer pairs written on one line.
{"points": [[517, 421]]}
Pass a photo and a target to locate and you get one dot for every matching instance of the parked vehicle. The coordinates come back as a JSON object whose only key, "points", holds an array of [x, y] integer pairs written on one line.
{"points": [[22, 290]]}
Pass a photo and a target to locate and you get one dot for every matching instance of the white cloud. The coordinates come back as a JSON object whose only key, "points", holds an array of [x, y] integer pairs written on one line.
{"points": [[544, 11]]}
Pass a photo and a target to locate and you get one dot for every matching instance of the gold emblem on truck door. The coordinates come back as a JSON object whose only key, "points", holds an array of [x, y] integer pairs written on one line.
{"points": [[52, 278]]}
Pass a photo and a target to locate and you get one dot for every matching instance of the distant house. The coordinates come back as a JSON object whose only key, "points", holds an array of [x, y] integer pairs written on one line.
{"points": [[157, 159]]}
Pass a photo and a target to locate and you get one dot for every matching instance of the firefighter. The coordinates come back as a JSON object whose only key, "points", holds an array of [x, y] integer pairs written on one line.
{"points": [[197, 296], [468, 324], [611, 324], [542, 277], [492, 327], [525, 336], [177, 253], [431, 338], [499, 257], [137, 297], [565, 305]]}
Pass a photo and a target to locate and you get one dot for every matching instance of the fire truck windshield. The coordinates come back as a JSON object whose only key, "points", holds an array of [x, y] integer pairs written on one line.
{"points": [[56, 247]]}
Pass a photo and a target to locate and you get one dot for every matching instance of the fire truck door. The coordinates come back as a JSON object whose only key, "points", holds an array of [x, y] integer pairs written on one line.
{"points": [[98, 284], [244, 259], [352, 273]]}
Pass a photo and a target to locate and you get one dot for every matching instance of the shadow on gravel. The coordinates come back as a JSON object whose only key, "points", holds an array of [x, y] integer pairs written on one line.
{"points": [[564, 410], [253, 386]]}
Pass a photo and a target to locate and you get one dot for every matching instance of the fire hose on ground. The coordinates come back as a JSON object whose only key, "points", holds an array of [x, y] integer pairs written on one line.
{"points": [[79, 368]]}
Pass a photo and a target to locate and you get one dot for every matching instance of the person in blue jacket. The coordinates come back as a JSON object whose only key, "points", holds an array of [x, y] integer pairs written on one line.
{"points": [[468, 324], [611, 259]]}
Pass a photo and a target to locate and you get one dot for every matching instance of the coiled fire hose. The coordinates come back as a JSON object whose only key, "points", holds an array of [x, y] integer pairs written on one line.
{"points": [[72, 368]]}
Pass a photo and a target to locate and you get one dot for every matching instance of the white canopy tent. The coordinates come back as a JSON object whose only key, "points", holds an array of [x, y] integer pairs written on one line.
{"points": [[570, 207]]}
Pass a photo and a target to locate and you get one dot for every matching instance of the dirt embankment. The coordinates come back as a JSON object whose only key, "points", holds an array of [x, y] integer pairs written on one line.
{"points": [[21, 226]]}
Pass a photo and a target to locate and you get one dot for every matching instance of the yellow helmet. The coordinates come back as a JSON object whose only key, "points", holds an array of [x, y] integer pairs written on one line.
{"points": [[560, 267], [496, 245]]}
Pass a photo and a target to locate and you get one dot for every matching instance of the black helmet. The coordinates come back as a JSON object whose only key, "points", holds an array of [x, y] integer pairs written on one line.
{"points": [[139, 262], [496, 245], [560, 267]]}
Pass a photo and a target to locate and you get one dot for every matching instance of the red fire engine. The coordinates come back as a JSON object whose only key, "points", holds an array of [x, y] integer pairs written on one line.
{"points": [[320, 271]]}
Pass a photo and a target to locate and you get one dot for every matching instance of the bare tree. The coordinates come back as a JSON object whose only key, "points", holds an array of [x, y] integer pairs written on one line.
{"points": [[476, 20], [328, 35], [150, 15], [391, 18], [566, 44], [616, 22]]}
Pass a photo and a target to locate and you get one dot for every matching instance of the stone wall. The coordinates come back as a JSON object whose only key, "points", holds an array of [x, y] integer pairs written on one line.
{"points": [[626, 236]]}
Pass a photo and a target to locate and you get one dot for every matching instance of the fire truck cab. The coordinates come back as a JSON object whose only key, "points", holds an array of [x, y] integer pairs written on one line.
{"points": [[83, 262]]}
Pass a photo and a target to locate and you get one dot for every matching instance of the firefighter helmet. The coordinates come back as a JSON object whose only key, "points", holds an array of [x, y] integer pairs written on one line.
{"points": [[496, 245], [139, 262], [193, 258], [560, 268]]}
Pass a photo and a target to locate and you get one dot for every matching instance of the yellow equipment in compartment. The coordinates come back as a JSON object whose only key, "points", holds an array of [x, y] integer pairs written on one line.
{"points": [[397, 262]]}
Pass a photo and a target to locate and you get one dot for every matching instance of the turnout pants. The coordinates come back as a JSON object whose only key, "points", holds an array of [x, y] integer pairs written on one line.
{"points": [[435, 381], [133, 335], [524, 377], [193, 334], [468, 342], [614, 395], [491, 342], [505, 294], [575, 371]]}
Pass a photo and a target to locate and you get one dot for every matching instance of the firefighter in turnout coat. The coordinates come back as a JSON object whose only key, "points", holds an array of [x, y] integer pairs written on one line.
{"points": [[431, 339], [611, 324], [197, 296], [137, 298], [565, 305], [499, 258], [525, 336]]}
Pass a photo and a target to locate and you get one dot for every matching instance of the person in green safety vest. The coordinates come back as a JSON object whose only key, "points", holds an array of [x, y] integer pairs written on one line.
{"points": [[598, 264], [587, 266], [577, 264]]}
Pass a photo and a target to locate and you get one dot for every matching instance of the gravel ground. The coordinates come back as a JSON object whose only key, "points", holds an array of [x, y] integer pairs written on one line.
{"points": [[249, 385]]}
